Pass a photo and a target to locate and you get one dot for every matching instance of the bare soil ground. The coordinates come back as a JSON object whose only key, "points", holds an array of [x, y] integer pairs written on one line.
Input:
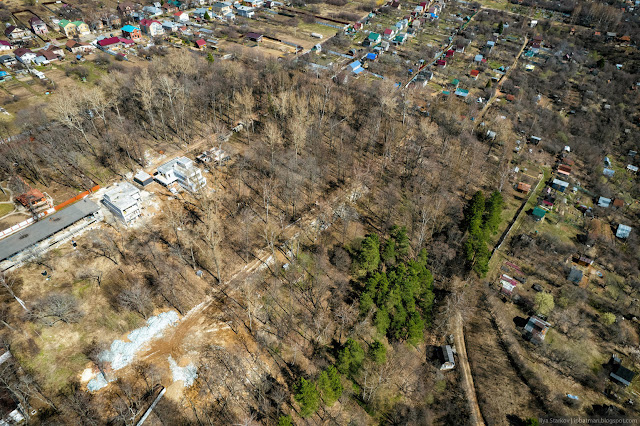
{"points": [[501, 392]]}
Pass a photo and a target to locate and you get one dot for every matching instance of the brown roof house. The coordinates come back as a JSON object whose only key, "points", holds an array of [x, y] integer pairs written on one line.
{"points": [[126, 8], [536, 329], [524, 187]]}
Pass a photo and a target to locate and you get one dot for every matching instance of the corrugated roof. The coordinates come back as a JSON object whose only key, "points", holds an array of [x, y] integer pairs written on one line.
{"points": [[45, 228]]}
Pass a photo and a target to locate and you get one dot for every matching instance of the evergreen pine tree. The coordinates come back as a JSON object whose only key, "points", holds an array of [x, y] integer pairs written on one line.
{"points": [[378, 352], [307, 397]]}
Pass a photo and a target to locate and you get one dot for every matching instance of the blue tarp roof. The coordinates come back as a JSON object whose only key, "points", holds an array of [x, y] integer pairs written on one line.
{"points": [[371, 56], [3, 73]]}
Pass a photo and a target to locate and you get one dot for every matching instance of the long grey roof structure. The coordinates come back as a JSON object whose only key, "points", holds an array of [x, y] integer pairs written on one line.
{"points": [[45, 228]]}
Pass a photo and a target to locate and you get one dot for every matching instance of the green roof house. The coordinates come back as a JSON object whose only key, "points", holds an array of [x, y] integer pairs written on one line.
{"points": [[400, 38], [455, 82], [374, 37], [539, 213]]}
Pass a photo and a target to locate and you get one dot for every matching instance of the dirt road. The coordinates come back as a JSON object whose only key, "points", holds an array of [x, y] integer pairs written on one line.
{"points": [[467, 377], [504, 78]]}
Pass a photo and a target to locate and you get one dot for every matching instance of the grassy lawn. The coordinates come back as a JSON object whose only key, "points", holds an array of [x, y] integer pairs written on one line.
{"points": [[6, 208]]}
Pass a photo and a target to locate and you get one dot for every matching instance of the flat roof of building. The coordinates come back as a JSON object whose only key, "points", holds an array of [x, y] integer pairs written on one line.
{"points": [[45, 228]]}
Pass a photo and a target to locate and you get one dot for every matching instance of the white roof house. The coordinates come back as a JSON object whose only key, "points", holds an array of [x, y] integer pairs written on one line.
{"points": [[123, 200], [623, 231], [183, 171]]}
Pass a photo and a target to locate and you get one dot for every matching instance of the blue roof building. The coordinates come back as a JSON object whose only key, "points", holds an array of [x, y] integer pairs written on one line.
{"points": [[129, 28], [623, 231], [608, 172], [604, 202], [356, 67]]}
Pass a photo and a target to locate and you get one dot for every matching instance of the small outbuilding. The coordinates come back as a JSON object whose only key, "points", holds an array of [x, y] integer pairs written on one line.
{"points": [[623, 231], [575, 275], [254, 37], [559, 185], [538, 213], [604, 202], [446, 356], [622, 375], [536, 329], [524, 187], [143, 178]]}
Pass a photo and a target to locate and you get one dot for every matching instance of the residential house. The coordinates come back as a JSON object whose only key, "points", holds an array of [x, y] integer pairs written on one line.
{"points": [[538, 213], [584, 261], [151, 27], [357, 26], [25, 55], [446, 357], [112, 21], [126, 8], [618, 203], [131, 32], [564, 169], [491, 135], [67, 28], [8, 60], [575, 275], [536, 329], [14, 32], [169, 8], [524, 187], [57, 50], [608, 172], [388, 33], [123, 200], [395, 4], [113, 43], [201, 13], [97, 25], [356, 67], [508, 284], [245, 11], [5, 45], [181, 16], [623, 231], [200, 44], [221, 8], [81, 28], [474, 74], [559, 185], [170, 26], [632, 168], [622, 375], [441, 63], [152, 11], [76, 47], [400, 38], [604, 202], [183, 171], [374, 38], [143, 178], [478, 58], [49, 56], [37, 26], [252, 3], [254, 37], [463, 93]]}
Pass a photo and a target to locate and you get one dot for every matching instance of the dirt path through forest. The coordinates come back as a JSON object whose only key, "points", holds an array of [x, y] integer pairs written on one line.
{"points": [[467, 377]]}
